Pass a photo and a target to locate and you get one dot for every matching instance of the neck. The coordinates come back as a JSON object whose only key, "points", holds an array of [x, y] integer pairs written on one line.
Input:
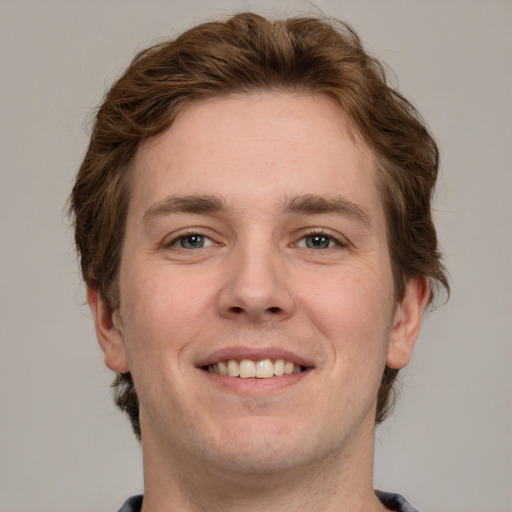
{"points": [[332, 483]]}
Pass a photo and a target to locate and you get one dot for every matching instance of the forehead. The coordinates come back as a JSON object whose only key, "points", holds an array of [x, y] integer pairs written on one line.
{"points": [[256, 148]]}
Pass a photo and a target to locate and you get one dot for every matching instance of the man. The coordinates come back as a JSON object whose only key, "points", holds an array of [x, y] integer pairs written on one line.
{"points": [[253, 220]]}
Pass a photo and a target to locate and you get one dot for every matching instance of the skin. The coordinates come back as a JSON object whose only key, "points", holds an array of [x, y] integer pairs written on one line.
{"points": [[277, 170]]}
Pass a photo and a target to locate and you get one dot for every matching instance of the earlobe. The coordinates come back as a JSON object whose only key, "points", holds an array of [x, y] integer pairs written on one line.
{"points": [[407, 322], [108, 331]]}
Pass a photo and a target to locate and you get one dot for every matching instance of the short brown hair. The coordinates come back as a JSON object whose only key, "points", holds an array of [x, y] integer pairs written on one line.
{"points": [[247, 53]]}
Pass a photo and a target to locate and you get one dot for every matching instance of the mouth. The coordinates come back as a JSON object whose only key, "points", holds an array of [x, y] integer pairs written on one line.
{"points": [[254, 368], [249, 364]]}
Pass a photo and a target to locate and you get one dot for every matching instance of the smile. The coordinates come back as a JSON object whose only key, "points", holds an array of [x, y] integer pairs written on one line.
{"points": [[260, 369]]}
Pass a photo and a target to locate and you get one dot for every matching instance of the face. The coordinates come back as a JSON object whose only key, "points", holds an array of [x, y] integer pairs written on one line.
{"points": [[257, 309]]}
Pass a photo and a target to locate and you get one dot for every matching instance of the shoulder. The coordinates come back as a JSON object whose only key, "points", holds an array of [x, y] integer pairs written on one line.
{"points": [[133, 504], [395, 502]]}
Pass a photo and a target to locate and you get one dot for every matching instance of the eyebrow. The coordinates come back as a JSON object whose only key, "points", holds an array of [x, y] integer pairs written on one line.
{"points": [[314, 204], [306, 203], [184, 204]]}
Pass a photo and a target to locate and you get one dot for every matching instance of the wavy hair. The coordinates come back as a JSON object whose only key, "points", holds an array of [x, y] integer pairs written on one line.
{"points": [[242, 54]]}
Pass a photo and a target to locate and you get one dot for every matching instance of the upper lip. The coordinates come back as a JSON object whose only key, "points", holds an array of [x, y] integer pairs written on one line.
{"points": [[254, 354]]}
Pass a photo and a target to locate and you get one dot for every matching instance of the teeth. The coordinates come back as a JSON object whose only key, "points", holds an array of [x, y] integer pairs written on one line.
{"points": [[262, 369], [279, 367], [288, 368], [223, 368], [247, 369], [233, 368]]}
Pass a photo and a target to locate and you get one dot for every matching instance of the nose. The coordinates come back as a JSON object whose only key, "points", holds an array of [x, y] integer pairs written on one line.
{"points": [[256, 287]]}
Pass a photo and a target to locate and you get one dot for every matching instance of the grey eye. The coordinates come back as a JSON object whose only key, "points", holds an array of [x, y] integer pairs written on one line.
{"points": [[319, 242], [193, 241]]}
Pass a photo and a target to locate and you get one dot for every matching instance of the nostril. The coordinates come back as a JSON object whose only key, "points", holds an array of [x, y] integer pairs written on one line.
{"points": [[274, 309], [236, 309]]}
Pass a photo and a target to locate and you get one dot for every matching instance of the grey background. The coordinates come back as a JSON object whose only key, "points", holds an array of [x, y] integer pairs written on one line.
{"points": [[63, 446]]}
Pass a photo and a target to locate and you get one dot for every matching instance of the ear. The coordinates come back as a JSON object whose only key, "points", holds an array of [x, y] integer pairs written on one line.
{"points": [[108, 331], [407, 322]]}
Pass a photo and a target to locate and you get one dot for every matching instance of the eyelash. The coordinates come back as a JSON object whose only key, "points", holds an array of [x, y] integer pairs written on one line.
{"points": [[318, 232], [321, 232], [187, 234]]}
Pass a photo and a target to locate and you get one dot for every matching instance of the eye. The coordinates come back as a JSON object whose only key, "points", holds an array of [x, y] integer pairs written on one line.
{"points": [[192, 241], [319, 241]]}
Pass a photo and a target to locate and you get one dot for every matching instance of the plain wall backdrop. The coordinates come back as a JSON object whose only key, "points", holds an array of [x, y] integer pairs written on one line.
{"points": [[63, 445]]}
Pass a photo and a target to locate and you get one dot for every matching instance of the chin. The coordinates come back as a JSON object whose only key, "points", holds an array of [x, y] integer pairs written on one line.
{"points": [[265, 446], [258, 460]]}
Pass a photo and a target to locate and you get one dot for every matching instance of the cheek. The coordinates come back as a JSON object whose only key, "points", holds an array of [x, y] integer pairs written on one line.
{"points": [[354, 311], [162, 313]]}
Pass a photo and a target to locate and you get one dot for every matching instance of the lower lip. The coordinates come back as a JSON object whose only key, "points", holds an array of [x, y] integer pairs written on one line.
{"points": [[255, 386]]}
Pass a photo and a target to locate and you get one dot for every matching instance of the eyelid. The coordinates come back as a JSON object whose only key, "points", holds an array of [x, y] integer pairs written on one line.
{"points": [[172, 239], [339, 240]]}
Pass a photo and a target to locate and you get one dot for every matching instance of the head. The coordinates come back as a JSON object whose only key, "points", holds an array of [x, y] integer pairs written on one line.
{"points": [[250, 54]]}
